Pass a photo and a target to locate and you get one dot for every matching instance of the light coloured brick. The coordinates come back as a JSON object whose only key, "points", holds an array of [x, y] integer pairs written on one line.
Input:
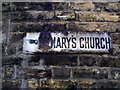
{"points": [[96, 16], [82, 6]]}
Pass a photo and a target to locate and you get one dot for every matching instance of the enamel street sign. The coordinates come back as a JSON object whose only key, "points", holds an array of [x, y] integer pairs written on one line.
{"points": [[67, 42]]}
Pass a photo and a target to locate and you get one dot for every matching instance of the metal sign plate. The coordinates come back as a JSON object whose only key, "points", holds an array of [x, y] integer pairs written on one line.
{"points": [[67, 42]]}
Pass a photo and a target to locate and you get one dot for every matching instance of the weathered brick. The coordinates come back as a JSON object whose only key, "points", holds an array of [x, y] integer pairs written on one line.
{"points": [[113, 7], [61, 60], [98, 6], [85, 6], [15, 48], [116, 49], [96, 16], [87, 84], [3, 49], [117, 84], [90, 73], [58, 84], [115, 62], [5, 6], [16, 37], [60, 5], [31, 15], [94, 26], [55, 60], [5, 24], [118, 28], [62, 26], [24, 27], [11, 84], [8, 72], [107, 61], [37, 27], [40, 6], [87, 61], [104, 16], [61, 72], [108, 84], [102, 61], [59, 27], [11, 60], [20, 6], [110, 6], [85, 16], [115, 38], [11, 49]]}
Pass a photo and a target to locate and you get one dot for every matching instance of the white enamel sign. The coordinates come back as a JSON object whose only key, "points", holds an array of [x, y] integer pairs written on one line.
{"points": [[67, 42]]}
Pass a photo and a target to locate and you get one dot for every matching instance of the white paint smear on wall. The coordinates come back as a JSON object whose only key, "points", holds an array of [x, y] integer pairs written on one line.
{"points": [[27, 47]]}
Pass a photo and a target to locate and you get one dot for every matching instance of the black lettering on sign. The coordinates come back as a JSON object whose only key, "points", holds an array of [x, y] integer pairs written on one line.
{"points": [[58, 43], [73, 42], [97, 43], [86, 42], [64, 42], [102, 43], [53, 42], [68, 41], [107, 43], [81, 39], [91, 42]]}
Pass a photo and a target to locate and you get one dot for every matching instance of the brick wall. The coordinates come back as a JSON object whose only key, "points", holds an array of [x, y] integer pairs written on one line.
{"points": [[68, 71]]}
